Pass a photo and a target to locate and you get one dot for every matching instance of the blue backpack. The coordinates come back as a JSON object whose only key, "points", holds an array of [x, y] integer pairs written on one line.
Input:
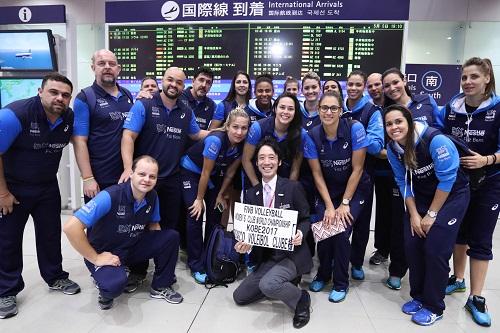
{"points": [[222, 260]]}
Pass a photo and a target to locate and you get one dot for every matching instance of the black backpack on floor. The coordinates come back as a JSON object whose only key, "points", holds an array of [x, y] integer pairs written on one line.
{"points": [[222, 260]]}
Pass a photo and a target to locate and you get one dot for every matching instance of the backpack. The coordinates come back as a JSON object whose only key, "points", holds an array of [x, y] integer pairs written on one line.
{"points": [[222, 260]]}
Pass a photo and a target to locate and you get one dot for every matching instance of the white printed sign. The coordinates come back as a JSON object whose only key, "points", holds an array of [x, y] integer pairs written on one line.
{"points": [[267, 227]]}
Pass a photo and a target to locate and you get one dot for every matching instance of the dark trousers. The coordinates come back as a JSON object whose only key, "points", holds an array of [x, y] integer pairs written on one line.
{"points": [[334, 252], [398, 266], [162, 246], [170, 198], [383, 213], [194, 228], [271, 279], [481, 219], [361, 229], [428, 257], [43, 203]]}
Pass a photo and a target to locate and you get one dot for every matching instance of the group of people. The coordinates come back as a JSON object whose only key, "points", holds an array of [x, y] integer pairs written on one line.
{"points": [[173, 155]]}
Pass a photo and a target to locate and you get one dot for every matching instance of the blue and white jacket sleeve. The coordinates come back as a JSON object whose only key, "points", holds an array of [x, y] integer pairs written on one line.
{"points": [[399, 171], [212, 147], [95, 209], [375, 133], [446, 161], [358, 136], [219, 112], [10, 127], [437, 113], [136, 117], [254, 134], [310, 150], [81, 123]]}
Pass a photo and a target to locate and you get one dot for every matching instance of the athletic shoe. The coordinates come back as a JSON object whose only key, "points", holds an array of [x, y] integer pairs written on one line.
{"points": [[454, 286], [377, 258], [105, 303], [393, 282], [357, 273], [199, 277], [411, 307], [476, 305], [337, 296], [133, 282], [424, 317], [67, 286], [316, 285], [168, 294], [8, 307]]}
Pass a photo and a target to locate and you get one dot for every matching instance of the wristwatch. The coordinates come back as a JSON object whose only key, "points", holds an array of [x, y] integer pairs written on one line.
{"points": [[432, 214], [346, 201]]}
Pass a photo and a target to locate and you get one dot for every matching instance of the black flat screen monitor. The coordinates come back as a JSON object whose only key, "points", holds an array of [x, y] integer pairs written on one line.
{"points": [[27, 50]]}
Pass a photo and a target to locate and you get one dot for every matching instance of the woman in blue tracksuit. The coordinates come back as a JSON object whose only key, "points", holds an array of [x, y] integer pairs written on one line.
{"points": [[291, 86], [423, 107], [336, 153], [262, 105], [207, 169], [311, 89], [474, 116], [285, 125], [333, 85], [239, 95], [359, 107], [436, 193]]}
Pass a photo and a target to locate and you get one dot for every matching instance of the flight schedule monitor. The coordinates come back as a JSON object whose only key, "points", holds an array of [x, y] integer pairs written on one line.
{"points": [[332, 50]]}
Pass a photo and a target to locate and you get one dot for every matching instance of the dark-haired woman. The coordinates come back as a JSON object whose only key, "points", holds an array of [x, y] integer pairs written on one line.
{"points": [[436, 193], [474, 116], [262, 105], [336, 153], [238, 96], [360, 108], [285, 125], [207, 168], [291, 86]]}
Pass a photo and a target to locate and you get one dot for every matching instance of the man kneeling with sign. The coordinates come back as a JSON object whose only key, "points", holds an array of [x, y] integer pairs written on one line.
{"points": [[278, 262]]}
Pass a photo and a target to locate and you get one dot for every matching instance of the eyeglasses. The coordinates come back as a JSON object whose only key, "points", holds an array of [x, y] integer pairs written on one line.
{"points": [[332, 108]]}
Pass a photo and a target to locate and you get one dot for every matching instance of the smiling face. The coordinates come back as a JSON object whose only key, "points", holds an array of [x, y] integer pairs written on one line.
{"points": [[396, 126], [329, 110], [355, 87], [473, 81], [292, 88], [285, 110], [267, 162], [143, 178], [394, 88], [237, 130], [241, 85], [311, 89], [330, 86], [263, 93], [173, 82]]}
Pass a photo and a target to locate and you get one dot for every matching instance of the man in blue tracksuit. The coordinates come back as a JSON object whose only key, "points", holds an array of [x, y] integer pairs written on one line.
{"points": [[100, 111], [123, 229], [160, 127], [196, 98], [33, 133]]}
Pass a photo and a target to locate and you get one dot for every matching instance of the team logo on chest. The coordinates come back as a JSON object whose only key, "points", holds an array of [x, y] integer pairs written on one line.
{"points": [[155, 111], [490, 115], [34, 129], [309, 123], [121, 211], [102, 103], [66, 128], [452, 116], [183, 115], [419, 106], [345, 145]]}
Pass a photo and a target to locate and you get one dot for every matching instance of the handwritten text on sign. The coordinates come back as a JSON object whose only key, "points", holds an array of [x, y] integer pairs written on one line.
{"points": [[267, 227]]}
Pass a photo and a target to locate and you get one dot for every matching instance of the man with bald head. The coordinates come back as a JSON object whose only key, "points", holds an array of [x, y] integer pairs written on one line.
{"points": [[100, 111], [375, 89]]}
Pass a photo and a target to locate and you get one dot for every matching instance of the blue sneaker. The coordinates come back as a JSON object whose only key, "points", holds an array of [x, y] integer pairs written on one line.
{"points": [[476, 305], [357, 273], [317, 285], [337, 296], [393, 282], [199, 277], [454, 286], [411, 307], [424, 317]]}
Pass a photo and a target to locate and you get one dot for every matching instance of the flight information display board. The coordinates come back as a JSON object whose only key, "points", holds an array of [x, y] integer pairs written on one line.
{"points": [[281, 49]]}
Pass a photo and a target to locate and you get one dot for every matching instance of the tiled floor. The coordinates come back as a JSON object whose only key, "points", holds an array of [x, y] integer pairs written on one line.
{"points": [[369, 307]]}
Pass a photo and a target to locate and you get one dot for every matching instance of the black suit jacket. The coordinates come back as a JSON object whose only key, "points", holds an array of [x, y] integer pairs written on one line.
{"points": [[290, 195]]}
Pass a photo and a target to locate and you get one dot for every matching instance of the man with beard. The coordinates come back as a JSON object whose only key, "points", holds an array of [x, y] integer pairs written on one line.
{"points": [[100, 111], [33, 133], [160, 127], [196, 97]]}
